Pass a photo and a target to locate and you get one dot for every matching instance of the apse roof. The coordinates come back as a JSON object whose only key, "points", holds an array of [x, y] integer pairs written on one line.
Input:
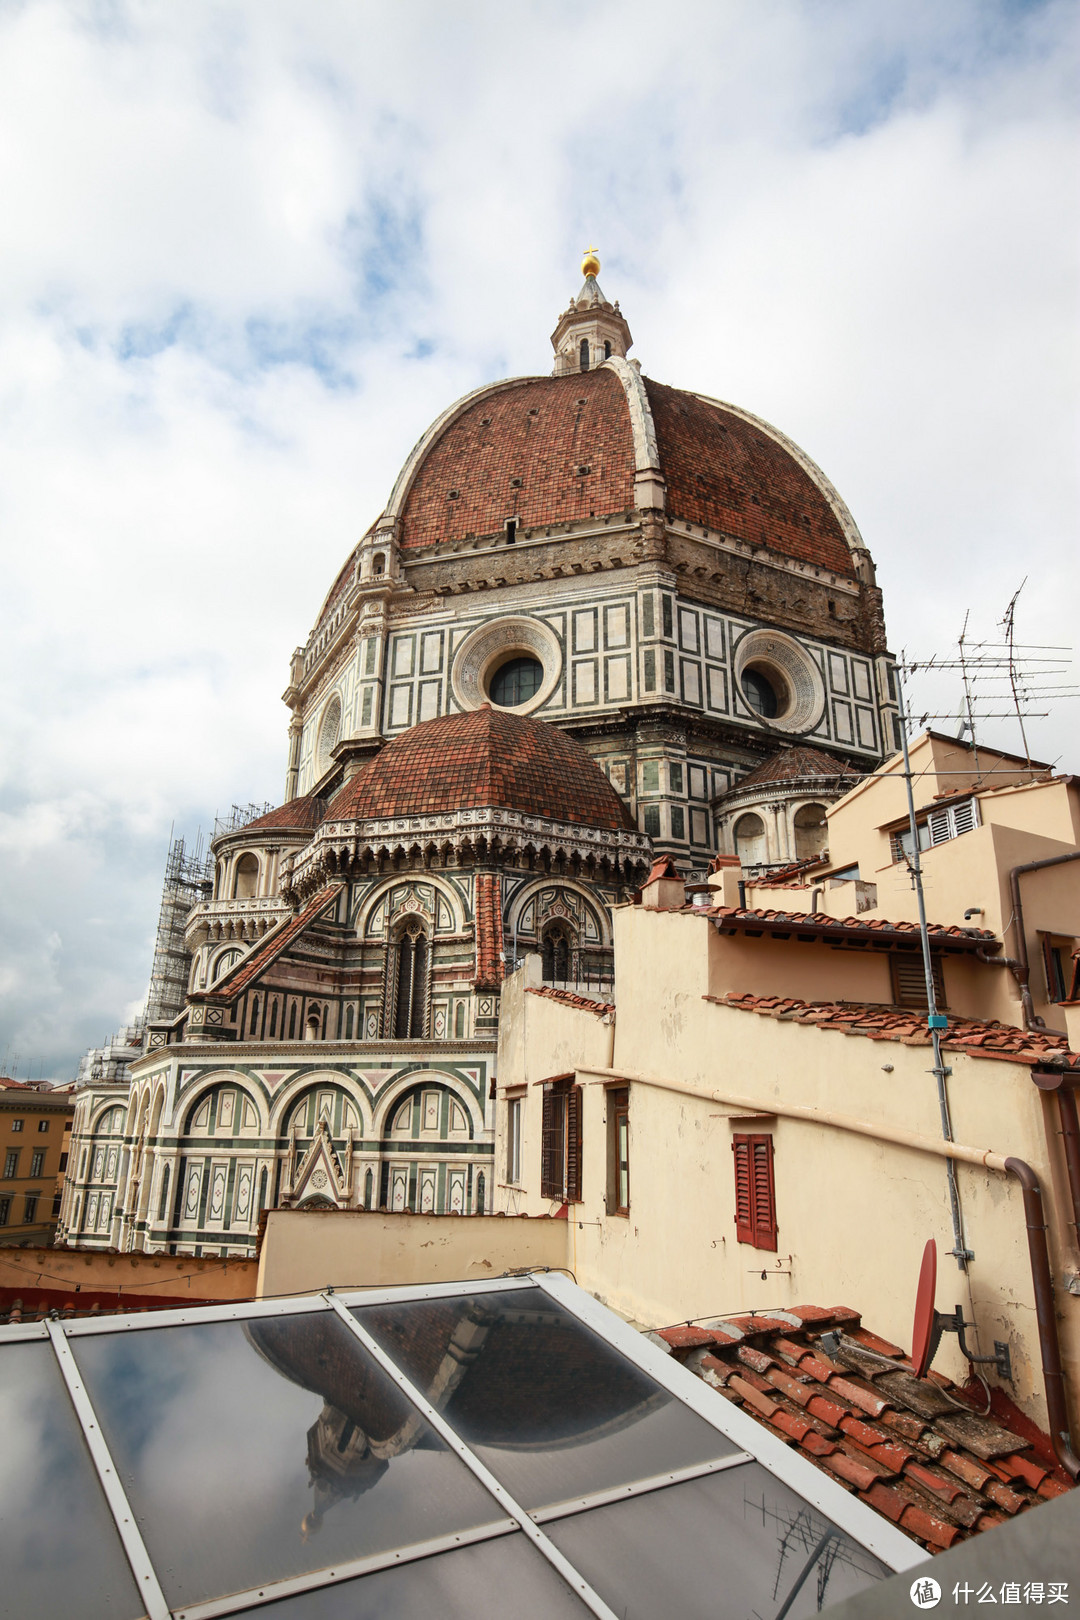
{"points": [[483, 759], [793, 764], [457, 1449]]}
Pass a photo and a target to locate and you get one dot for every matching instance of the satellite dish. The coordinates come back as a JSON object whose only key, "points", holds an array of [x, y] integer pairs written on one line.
{"points": [[931, 1323], [926, 1334]]}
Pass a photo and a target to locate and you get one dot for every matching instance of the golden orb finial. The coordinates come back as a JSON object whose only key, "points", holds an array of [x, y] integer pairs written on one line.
{"points": [[590, 264]]}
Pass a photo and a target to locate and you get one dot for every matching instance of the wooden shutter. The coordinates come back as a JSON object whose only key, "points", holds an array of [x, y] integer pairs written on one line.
{"points": [[744, 1222], [755, 1191], [552, 1159], [573, 1145], [763, 1192], [909, 980]]}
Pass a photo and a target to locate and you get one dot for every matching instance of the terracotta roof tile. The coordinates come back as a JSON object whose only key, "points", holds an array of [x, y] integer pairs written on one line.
{"points": [[304, 814], [983, 1038], [544, 450], [795, 763], [907, 1461], [569, 999], [484, 759], [727, 474], [269, 948]]}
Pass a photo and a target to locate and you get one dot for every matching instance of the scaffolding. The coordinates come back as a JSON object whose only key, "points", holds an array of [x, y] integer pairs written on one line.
{"points": [[188, 879], [240, 816]]}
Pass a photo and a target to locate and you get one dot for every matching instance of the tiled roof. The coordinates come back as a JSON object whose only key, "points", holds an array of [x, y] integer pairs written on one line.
{"points": [[269, 948], [981, 1037], [302, 814], [545, 450], [913, 1448], [725, 473], [820, 921], [484, 759], [569, 999], [792, 764], [489, 932]]}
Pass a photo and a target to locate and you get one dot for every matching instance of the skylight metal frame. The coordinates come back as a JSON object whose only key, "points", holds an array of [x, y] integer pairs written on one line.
{"points": [[861, 1523], [755, 1444]]}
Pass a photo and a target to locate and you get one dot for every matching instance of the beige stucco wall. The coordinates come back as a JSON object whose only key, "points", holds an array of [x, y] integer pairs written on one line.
{"points": [[305, 1250], [167, 1275], [853, 1213]]}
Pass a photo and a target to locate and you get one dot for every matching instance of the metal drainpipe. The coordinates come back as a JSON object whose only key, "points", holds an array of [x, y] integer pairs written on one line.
{"points": [[1053, 1378], [1023, 968], [1056, 1081]]}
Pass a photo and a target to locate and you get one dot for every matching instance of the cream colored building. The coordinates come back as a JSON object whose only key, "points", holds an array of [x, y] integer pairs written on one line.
{"points": [[753, 1121]]}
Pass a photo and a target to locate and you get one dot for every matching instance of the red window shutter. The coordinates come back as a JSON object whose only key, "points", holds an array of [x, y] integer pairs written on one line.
{"points": [[755, 1191], [573, 1145], [744, 1226], [763, 1192]]}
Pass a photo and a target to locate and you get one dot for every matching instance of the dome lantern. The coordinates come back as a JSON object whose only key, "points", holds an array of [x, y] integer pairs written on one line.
{"points": [[590, 330]]}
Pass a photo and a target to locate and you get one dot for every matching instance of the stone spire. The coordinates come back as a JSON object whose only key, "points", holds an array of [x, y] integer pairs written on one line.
{"points": [[591, 330]]}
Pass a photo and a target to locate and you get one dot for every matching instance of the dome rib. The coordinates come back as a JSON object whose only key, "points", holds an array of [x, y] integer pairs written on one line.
{"points": [[484, 759]]}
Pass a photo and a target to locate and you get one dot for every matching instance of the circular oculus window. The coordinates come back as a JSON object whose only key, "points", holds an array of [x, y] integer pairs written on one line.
{"points": [[778, 681], [510, 663]]}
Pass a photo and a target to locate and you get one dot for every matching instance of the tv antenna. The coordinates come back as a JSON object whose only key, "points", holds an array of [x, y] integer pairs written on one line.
{"points": [[1001, 680]]}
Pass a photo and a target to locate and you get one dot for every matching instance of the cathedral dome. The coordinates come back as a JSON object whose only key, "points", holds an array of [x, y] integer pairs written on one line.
{"points": [[484, 759], [545, 451]]}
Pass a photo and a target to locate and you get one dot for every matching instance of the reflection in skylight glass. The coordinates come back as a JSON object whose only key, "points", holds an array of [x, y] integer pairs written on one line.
{"points": [[59, 1551], [254, 1451], [740, 1533], [552, 1409], [487, 1582]]}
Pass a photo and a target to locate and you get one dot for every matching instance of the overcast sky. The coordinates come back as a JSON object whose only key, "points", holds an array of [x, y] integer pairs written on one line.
{"points": [[252, 249]]}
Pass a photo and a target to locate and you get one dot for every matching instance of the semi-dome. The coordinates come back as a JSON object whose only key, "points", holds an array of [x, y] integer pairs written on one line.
{"points": [[484, 759]]}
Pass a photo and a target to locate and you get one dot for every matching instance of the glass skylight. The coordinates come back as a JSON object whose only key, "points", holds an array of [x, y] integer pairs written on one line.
{"points": [[452, 1450]]}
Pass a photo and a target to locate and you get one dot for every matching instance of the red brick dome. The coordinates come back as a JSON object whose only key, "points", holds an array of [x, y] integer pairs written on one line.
{"points": [[484, 759], [555, 450]]}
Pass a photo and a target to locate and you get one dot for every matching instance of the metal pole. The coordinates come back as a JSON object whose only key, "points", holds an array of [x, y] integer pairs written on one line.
{"points": [[935, 1020]]}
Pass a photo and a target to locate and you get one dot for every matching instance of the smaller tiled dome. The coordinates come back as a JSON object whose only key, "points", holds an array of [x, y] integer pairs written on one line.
{"points": [[796, 765], [484, 759], [300, 815]]}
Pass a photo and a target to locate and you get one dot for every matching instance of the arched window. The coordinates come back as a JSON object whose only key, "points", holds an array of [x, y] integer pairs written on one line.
{"points": [[481, 1189], [410, 991], [225, 961], [254, 1015], [292, 1021], [329, 731], [273, 1018], [348, 1023], [607, 350], [583, 355], [262, 1188], [750, 840], [556, 954], [459, 1021], [369, 1187], [378, 564], [811, 831], [246, 878], [163, 1205], [311, 1027]]}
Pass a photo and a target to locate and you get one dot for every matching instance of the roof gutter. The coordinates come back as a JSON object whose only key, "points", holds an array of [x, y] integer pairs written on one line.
{"points": [[1022, 970]]}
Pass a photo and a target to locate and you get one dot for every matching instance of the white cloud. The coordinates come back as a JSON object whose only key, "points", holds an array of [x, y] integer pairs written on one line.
{"points": [[253, 248]]}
